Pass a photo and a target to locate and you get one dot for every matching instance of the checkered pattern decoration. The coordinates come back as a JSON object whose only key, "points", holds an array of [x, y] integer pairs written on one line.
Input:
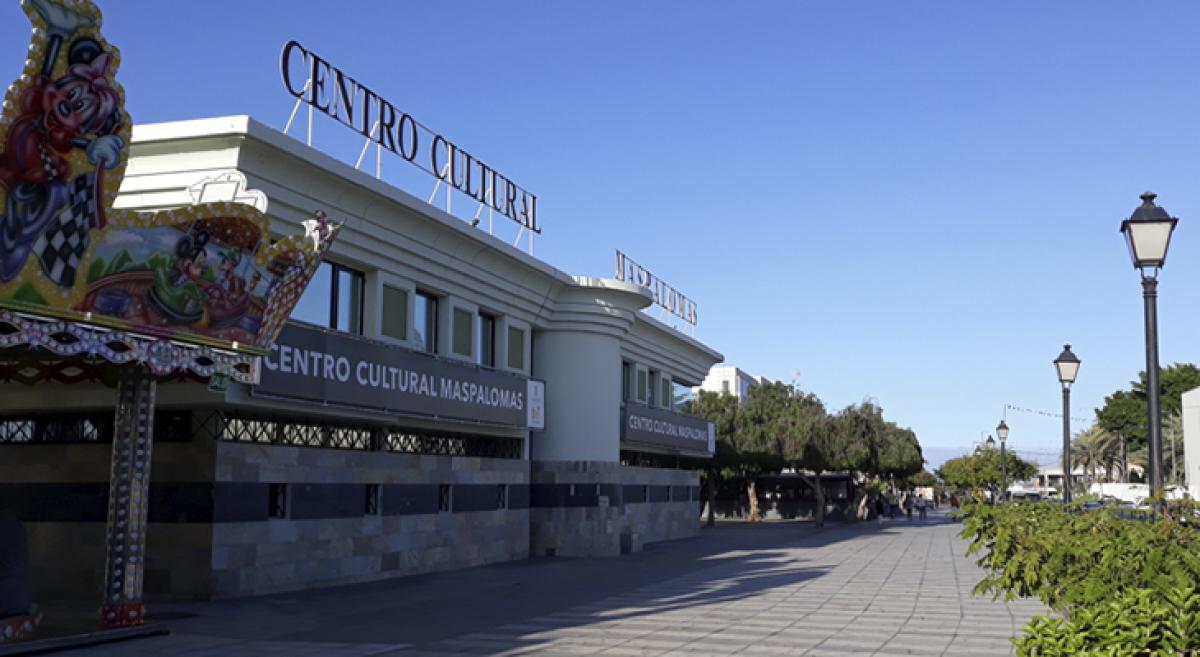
{"points": [[65, 239]]}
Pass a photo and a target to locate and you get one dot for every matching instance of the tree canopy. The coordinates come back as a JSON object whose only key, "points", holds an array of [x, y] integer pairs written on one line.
{"points": [[981, 470]]}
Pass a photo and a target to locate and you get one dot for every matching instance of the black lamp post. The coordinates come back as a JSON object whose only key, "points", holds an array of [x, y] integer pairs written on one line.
{"points": [[991, 444], [1002, 432], [1067, 365], [1148, 233]]}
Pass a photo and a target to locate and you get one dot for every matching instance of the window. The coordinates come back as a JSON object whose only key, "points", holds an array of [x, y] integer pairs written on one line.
{"points": [[485, 354], [333, 298], [681, 395], [724, 387], [426, 323], [624, 380], [516, 348], [394, 323], [642, 385], [372, 502], [277, 501], [460, 339], [652, 398], [444, 494], [664, 398]]}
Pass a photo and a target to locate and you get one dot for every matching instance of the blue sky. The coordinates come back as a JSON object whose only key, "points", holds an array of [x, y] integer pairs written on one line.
{"points": [[916, 202]]}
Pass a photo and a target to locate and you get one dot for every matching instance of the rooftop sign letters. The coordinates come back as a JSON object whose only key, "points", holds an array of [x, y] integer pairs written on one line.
{"points": [[665, 296], [323, 86]]}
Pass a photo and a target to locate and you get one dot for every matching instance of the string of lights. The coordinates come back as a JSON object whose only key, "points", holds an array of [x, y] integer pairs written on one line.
{"points": [[1032, 411]]}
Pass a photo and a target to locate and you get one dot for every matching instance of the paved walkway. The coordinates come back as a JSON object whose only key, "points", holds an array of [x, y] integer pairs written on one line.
{"points": [[770, 589]]}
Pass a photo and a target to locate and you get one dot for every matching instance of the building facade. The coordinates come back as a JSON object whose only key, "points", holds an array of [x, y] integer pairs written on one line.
{"points": [[729, 379], [440, 400]]}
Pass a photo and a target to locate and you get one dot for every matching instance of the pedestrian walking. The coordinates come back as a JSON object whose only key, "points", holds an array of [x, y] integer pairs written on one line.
{"points": [[921, 507], [908, 505], [880, 507]]}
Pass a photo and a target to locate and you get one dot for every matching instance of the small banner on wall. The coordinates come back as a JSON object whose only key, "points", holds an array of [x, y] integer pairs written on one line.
{"points": [[536, 403], [660, 429], [319, 365]]}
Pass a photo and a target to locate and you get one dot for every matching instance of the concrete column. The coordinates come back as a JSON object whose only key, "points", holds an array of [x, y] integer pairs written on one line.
{"points": [[582, 371]]}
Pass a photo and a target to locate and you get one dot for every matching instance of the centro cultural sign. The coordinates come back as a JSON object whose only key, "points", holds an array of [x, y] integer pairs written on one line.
{"points": [[319, 84], [323, 366], [666, 429]]}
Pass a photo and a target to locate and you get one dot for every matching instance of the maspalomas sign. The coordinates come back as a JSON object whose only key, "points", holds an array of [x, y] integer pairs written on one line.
{"points": [[666, 430], [324, 87], [318, 365]]}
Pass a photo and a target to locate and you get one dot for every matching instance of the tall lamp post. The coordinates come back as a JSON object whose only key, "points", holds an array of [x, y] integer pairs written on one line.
{"points": [[1002, 433], [991, 444], [1148, 233], [1067, 365]]}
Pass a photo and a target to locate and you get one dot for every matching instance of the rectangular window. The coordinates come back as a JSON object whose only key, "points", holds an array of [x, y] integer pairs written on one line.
{"points": [[277, 500], [444, 501], [624, 380], [486, 353], [425, 321], [516, 348], [664, 398], [652, 398], [394, 322], [724, 387], [642, 385], [372, 502], [681, 396], [461, 342], [333, 298]]}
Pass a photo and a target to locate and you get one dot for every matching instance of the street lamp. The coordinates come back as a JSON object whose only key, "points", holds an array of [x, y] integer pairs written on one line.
{"points": [[1002, 432], [1148, 233], [1067, 364], [991, 444]]}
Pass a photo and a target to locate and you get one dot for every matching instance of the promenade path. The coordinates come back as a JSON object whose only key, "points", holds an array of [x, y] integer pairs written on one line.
{"points": [[769, 589]]}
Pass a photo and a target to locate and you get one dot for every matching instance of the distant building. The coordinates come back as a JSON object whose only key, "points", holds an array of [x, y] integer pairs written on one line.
{"points": [[729, 379], [1191, 440]]}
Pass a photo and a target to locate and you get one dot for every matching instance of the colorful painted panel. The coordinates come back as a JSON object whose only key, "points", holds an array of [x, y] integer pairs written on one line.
{"points": [[208, 274]]}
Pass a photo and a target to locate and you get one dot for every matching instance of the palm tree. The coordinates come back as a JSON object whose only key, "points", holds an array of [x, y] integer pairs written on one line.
{"points": [[1094, 447]]}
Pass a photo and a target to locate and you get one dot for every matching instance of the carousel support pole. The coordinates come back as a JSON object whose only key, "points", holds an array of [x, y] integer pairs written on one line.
{"points": [[128, 495]]}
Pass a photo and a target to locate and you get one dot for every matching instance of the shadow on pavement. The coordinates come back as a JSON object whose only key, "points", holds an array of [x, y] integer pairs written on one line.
{"points": [[722, 564]]}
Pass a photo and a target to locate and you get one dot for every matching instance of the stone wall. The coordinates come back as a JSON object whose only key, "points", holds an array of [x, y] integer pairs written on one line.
{"points": [[329, 535], [60, 493], [588, 508]]}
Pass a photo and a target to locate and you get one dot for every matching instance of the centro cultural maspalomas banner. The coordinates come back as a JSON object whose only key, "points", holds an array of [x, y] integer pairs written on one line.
{"points": [[206, 274], [328, 367]]}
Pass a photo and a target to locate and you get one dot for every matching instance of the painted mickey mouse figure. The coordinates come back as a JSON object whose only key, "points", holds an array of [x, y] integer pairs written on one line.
{"points": [[80, 109]]}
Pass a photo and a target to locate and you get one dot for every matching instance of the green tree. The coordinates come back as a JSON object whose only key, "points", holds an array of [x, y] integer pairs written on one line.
{"points": [[806, 440], [722, 410], [755, 441], [981, 470]]}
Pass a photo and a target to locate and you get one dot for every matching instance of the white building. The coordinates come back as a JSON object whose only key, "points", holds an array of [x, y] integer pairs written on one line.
{"points": [[729, 379], [1191, 441], [323, 476]]}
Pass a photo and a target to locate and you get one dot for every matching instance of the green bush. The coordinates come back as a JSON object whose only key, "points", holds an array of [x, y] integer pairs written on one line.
{"points": [[1121, 586], [1140, 622]]}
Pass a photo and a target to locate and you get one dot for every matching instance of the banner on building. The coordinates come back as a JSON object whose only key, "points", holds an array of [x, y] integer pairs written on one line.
{"points": [[328, 367], [660, 429]]}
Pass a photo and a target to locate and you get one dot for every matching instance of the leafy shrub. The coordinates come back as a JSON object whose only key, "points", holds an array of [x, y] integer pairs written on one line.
{"points": [[1140, 622], [1123, 587]]}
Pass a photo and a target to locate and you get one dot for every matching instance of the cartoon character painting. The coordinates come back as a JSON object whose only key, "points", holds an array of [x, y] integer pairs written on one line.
{"points": [[208, 273], [50, 207]]}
